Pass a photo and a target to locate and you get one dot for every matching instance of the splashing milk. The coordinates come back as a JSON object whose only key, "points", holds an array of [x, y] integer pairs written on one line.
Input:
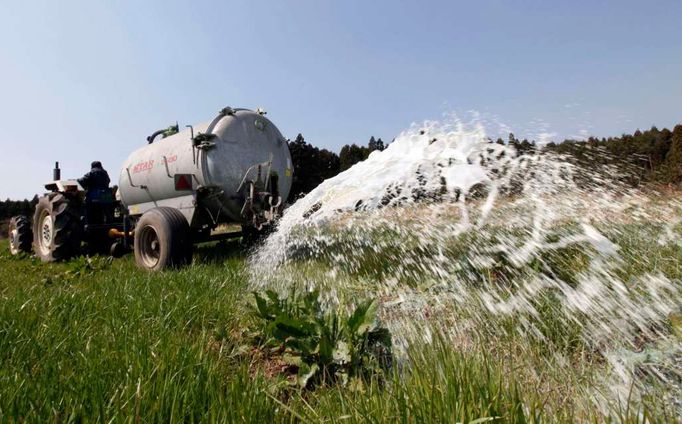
{"points": [[462, 236]]}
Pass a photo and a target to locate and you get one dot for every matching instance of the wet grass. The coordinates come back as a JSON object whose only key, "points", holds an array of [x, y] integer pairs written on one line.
{"points": [[100, 340]]}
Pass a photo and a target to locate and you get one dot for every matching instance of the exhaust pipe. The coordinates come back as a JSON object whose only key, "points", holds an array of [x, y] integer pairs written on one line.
{"points": [[56, 172]]}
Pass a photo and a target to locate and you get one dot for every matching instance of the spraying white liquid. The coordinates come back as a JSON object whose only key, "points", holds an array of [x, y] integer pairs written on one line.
{"points": [[459, 234]]}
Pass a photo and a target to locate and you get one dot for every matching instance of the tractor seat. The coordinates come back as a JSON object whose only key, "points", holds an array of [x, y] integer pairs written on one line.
{"points": [[103, 196]]}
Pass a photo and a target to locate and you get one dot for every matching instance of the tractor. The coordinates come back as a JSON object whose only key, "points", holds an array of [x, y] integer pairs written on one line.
{"points": [[171, 193], [68, 222]]}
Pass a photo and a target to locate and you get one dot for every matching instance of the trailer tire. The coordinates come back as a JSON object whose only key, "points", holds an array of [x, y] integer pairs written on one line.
{"points": [[20, 235], [57, 229], [162, 239]]}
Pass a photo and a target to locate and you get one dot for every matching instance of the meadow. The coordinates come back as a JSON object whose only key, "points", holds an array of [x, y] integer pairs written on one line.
{"points": [[97, 339]]}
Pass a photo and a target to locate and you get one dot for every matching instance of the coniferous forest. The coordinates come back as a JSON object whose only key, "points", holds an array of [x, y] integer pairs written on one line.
{"points": [[651, 156]]}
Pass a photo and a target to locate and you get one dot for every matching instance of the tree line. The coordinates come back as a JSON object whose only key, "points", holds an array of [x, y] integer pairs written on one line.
{"points": [[313, 165], [651, 156], [10, 208]]}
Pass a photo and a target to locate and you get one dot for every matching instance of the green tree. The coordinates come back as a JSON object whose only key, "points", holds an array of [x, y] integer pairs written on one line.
{"points": [[375, 144], [311, 166], [352, 154], [673, 159], [372, 145]]}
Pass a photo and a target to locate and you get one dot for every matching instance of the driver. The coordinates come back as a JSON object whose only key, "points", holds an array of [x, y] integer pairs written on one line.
{"points": [[96, 179]]}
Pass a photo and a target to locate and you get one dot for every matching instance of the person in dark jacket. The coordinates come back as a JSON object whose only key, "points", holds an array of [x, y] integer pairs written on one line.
{"points": [[96, 179], [98, 196]]}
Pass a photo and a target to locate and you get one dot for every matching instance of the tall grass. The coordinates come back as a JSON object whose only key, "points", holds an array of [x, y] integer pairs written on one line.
{"points": [[104, 341], [122, 343]]}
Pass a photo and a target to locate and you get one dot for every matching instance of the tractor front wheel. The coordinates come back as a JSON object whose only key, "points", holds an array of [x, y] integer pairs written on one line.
{"points": [[162, 239], [57, 230], [20, 235]]}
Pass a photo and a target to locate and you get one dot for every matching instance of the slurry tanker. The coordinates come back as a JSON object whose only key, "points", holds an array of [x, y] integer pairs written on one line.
{"points": [[171, 193]]}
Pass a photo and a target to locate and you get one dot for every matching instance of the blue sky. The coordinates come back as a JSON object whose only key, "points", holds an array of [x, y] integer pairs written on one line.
{"points": [[86, 80]]}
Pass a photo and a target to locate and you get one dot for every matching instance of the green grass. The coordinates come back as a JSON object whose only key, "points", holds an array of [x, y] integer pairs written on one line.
{"points": [[120, 342], [105, 341]]}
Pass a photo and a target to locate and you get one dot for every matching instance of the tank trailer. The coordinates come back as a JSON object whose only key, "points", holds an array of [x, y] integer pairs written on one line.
{"points": [[171, 193]]}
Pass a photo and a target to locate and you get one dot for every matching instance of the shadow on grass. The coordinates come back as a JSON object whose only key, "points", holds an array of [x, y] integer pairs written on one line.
{"points": [[221, 251]]}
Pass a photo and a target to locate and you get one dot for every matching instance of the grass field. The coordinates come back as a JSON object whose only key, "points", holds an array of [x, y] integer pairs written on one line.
{"points": [[101, 340]]}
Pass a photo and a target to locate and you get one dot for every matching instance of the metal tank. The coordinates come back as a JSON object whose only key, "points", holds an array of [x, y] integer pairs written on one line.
{"points": [[235, 168]]}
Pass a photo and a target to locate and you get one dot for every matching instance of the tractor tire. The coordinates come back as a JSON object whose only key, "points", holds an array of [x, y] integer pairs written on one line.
{"points": [[162, 239], [57, 229], [20, 235]]}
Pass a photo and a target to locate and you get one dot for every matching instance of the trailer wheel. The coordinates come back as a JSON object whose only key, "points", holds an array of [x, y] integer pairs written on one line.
{"points": [[20, 235], [162, 239], [57, 230]]}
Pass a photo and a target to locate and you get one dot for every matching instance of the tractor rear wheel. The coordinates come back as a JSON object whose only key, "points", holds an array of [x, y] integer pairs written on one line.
{"points": [[162, 239], [57, 230], [20, 235]]}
